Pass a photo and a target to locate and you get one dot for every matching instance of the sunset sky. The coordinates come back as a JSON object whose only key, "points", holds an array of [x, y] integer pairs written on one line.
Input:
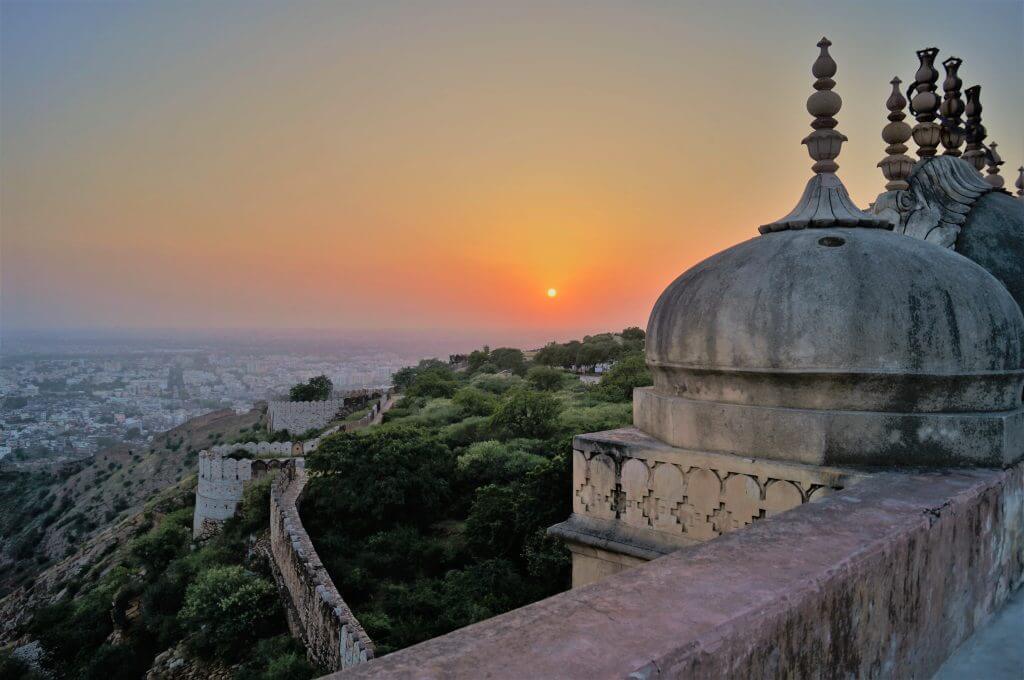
{"points": [[426, 165]]}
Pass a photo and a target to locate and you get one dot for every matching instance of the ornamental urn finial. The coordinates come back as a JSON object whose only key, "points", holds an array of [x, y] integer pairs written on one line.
{"points": [[974, 152], [1020, 183], [951, 109], [994, 161], [825, 201], [896, 166], [925, 103]]}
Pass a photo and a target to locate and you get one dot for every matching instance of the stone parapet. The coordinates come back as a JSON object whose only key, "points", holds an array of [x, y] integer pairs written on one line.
{"points": [[333, 637], [636, 498], [881, 580]]}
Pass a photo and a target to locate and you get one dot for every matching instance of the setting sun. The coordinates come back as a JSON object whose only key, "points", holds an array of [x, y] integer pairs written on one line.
{"points": [[552, 292]]}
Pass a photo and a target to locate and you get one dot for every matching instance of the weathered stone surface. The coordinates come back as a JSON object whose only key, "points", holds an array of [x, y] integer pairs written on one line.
{"points": [[827, 437], [808, 340], [993, 236], [333, 637], [882, 580]]}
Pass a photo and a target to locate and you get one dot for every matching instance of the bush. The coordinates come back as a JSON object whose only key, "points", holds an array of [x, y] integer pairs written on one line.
{"points": [[544, 378], [630, 372], [433, 384], [228, 608], [475, 402], [495, 384], [523, 413], [385, 476], [491, 462]]}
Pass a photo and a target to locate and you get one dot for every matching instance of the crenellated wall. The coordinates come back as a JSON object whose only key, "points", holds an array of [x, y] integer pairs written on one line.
{"points": [[333, 637], [222, 479], [300, 416]]}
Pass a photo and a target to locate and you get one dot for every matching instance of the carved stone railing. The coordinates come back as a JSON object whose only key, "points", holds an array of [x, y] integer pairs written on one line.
{"points": [[333, 637]]}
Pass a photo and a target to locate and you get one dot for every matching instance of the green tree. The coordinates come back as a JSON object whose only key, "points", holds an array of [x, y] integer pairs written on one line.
{"points": [[316, 389], [433, 384], [525, 413], [382, 477], [475, 402], [628, 373], [230, 608], [508, 359], [478, 358], [633, 333], [544, 378]]}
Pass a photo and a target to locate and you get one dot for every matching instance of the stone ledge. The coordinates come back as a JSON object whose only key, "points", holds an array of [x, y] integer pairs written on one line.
{"points": [[884, 579]]}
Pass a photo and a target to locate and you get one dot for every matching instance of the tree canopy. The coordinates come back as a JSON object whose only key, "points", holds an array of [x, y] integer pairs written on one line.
{"points": [[318, 388]]}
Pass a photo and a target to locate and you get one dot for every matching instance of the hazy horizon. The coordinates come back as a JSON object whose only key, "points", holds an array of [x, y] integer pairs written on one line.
{"points": [[402, 168]]}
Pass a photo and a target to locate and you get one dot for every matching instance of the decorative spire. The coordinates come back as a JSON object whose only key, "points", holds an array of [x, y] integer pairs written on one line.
{"points": [[897, 165], [825, 202], [974, 152], [925, 103], [1020, 183], [994, 161], [952, 133]]}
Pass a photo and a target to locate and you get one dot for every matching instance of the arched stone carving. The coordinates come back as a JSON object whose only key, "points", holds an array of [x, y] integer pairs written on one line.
{"points": [[819, 493], [636, 491], [780, 496], [742, 502], [601, 479], [668, 491]]}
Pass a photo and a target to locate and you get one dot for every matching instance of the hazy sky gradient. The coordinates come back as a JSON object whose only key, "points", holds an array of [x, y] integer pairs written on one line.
{"points": [[430, 165]]}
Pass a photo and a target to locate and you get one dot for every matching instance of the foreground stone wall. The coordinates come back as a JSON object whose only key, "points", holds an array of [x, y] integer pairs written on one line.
{"points": [[881, 580], [332, 635]]}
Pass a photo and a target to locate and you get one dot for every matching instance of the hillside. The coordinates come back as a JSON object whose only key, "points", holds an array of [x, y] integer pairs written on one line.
{"points": [[46, 516]]}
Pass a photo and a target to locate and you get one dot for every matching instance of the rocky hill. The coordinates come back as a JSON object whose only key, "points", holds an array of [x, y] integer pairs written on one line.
{"points": [[48, 518]]}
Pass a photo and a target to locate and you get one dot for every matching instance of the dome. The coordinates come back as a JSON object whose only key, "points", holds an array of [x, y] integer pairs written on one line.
{"points": [[832, 340], [852, 319]]}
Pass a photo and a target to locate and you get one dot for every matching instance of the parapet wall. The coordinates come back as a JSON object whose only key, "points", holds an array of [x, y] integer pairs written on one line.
{"points": [[333, 637], [884, 579]]}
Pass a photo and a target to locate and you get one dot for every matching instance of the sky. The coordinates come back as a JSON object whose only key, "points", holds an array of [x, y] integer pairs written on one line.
{"points": [[411, 166]]}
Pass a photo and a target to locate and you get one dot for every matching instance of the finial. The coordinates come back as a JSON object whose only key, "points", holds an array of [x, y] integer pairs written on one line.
{"points": [[925, 103], [952, 107], [994, 161], [825, 201], [974, 152], [1020, 183], [897, 165]]}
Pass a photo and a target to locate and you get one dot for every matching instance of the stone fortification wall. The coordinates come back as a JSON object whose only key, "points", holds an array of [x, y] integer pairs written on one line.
{"points": [[219, 489], [333, 637], [222, 479], [299, 416]]}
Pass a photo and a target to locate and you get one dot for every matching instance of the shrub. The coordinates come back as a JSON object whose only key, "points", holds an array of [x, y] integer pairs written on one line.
{"points": [[523, 413], [630, 372], [544, 378], [491, 462], [475, 402], [316, 389], [229, 608]]}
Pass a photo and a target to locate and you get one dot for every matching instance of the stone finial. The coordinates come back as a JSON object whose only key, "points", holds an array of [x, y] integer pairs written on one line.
{"points": [[974, 152], [825, 201], [924, 104], [952, 107], [897, 165], [994, 161], [1020, 183]]}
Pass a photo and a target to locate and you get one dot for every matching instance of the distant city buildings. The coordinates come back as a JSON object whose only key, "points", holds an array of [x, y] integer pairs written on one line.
{"points": [[72, 405]]}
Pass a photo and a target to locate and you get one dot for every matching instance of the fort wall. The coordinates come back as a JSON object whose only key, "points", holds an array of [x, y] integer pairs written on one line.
{"points": [[333, 637], [300, 416]]}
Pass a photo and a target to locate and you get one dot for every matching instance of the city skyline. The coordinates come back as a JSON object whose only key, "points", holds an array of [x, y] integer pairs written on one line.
{"points": [[376, 167]]}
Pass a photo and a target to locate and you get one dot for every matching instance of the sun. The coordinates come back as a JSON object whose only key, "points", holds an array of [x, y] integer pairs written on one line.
{"points": [[552, 292]]}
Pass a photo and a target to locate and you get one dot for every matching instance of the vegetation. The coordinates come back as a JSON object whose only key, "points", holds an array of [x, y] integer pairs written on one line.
{"points": [[315, 389], [437, 518], [217, 599]]}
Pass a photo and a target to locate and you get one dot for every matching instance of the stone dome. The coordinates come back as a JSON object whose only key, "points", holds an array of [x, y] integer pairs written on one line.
{"points": [[858, 319], [993, 236], [841, 346]]}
